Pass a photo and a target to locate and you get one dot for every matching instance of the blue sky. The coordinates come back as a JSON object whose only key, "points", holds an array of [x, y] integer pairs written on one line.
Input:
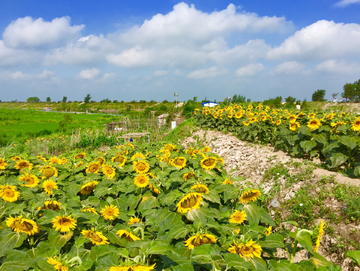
{"points": [[147, 50]]}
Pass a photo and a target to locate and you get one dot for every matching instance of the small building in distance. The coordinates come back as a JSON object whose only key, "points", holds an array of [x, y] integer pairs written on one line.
{"points": [[47, 109], [210, 104]]}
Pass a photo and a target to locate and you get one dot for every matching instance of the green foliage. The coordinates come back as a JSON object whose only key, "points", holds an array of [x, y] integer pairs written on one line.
{"points": [[87, 99], [352, 91], [352, 207], [319, 95], [238, 99], [48, 99], [188, 108], [64, 99], [33, 100], [273, 102], [164, 228], [290, 100]]}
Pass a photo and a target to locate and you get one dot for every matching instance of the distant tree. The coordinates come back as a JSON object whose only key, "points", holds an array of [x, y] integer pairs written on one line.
{"points": [[165, 101], [33, 100], [142, 101], [115, 101], [290, 100], [105, 101], [64, 99], [48, 99], [334, 95], [319, 95], [87, 99], [152, 101], [238, 99], [248, 100], [351, 91]]}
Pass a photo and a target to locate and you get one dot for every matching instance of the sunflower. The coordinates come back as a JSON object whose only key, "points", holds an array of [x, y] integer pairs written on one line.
{"points": [[15, 158], [246, 123], [8, 193], [79, 164], [178, 162], [63, 161], [356, 125], [311, 115], [108, 171], [189, 175], [134, 220], [154, 189], [23, 164], [138, 155], [189, 202], [330, 116], [57, 264], [30, 180], [93, 167], [314, 124], [200, 239], [268, 231], [152, 175], [3, 164], [121, 159], [237, 217], [141, 167], [110, 212], [227, 181], [238, 115], [206, 149], [208, 163], [54, 160], [141, 180], [64, 223], [100, 160], [132, 268], [278, 122], [51, 205], [49, 171], [201, 188], [19, 224], [251, 195], [89, 210], [294, 126], [87, 188], [128, 235], [49, 185], [96, 237], [318, 238], [246, 250], [216, 115], [190, 151], [81, 155]]}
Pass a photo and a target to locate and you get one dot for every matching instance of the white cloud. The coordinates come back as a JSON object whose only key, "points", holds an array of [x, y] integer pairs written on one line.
{"points": [[86, 50], [290, 67], [322, 39], [89, 74], [178, 72], [207, 73], [335, 66], [344, 3], [20, 76], [134, 57], [27, 33], [250, 51], [187, 25], [160, 73], [249, 70]]}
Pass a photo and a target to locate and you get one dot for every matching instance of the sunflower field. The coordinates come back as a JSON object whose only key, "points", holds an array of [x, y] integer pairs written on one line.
{"points": [[149, 207], [332, 137]]}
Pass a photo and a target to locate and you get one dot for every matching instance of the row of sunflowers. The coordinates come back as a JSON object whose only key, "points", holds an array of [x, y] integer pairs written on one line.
{"points": [[332, 137], [150, 207]]}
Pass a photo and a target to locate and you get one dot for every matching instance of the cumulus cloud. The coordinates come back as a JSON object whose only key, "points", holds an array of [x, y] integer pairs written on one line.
{"points": [[207, 73], [338, 66], [344, 3], [20, 76], [86, 50], [185, 24], [322, 39], [290, 67], [160, 73], [132, 58], [28, 33], [12, 57], [249, 70], [250, 51], [89, 74]]}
